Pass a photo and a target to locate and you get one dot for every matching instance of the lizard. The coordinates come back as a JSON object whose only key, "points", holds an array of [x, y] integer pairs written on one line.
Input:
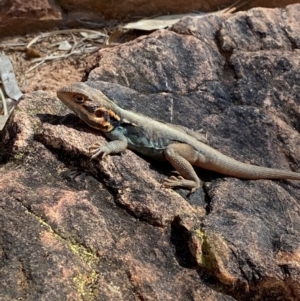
{"points": [[156, 139]]}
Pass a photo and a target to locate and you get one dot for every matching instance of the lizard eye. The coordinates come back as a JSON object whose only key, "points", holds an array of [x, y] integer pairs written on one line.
{"points": [[79, 98]]}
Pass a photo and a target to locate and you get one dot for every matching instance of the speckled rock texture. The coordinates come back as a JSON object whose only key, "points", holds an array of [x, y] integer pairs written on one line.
{"points": [[76, 229]]}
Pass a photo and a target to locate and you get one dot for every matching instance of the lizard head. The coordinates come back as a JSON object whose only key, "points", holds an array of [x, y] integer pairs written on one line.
{"points": [[91, 105]]}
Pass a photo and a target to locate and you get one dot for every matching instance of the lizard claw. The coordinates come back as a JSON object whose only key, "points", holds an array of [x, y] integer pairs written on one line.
{"points": [[99, 153], [173, 181], [98, 150], [200, 135]]}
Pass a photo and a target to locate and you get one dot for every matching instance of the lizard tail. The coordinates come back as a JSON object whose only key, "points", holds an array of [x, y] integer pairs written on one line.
{"points": [[233, 168]]}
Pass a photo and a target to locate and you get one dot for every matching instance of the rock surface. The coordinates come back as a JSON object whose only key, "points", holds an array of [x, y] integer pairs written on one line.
{"points": [[75, 229], [23, 17]]}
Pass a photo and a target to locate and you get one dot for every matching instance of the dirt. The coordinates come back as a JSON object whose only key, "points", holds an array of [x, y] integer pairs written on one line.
{"points": [[48, 75]]}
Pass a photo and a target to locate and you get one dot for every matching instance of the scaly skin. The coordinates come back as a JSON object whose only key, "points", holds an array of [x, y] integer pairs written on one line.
{"points": [[181, 147]]}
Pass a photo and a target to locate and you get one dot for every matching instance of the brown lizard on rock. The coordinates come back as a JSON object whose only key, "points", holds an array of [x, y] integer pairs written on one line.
{"points": [[181, 147]]}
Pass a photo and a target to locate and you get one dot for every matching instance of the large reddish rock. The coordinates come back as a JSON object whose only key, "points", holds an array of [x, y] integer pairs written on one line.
{"points": [[20, 17], [76, 229]]}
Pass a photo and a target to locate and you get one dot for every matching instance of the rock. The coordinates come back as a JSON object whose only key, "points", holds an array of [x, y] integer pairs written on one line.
{"points": [[75, 229], [23, 17], [20, 17]]}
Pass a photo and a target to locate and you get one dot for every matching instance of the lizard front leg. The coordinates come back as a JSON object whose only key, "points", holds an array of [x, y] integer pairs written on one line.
{"points": [[182, 157], [118, 144]]}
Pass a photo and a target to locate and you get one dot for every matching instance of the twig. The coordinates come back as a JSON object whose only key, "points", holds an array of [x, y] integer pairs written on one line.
{"points": [[76, 44], [233, 7], [48, 34]]}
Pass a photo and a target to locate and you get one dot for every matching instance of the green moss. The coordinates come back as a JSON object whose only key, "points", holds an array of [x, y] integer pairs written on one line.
{"points": [[206, 258], [84, 284], [80, 282], [86, 255], [19, 156]]}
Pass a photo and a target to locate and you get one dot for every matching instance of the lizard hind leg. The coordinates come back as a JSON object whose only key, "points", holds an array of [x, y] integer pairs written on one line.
{"points": [[182, 157]]}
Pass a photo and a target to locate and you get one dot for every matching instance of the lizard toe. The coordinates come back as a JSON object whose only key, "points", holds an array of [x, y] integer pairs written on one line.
{"points": [[179, 181]]}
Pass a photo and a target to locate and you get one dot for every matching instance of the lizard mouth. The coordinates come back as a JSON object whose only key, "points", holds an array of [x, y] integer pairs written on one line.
{"points": [[100, 118]]}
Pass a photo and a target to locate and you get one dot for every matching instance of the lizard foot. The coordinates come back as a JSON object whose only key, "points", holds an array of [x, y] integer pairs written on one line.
{"points": [[98, 150], [200, 135], [182, 182]]}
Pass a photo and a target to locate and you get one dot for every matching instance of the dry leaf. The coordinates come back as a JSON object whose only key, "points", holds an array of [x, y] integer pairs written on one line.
{"points": [[168, 20], [158, 22], [11, 89]]}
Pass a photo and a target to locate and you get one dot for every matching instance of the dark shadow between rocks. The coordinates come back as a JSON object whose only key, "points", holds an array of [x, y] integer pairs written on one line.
{"points": [[179, 238]]}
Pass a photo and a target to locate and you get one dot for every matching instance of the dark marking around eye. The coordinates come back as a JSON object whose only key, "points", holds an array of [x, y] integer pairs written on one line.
{"points": [[79, 98]]}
